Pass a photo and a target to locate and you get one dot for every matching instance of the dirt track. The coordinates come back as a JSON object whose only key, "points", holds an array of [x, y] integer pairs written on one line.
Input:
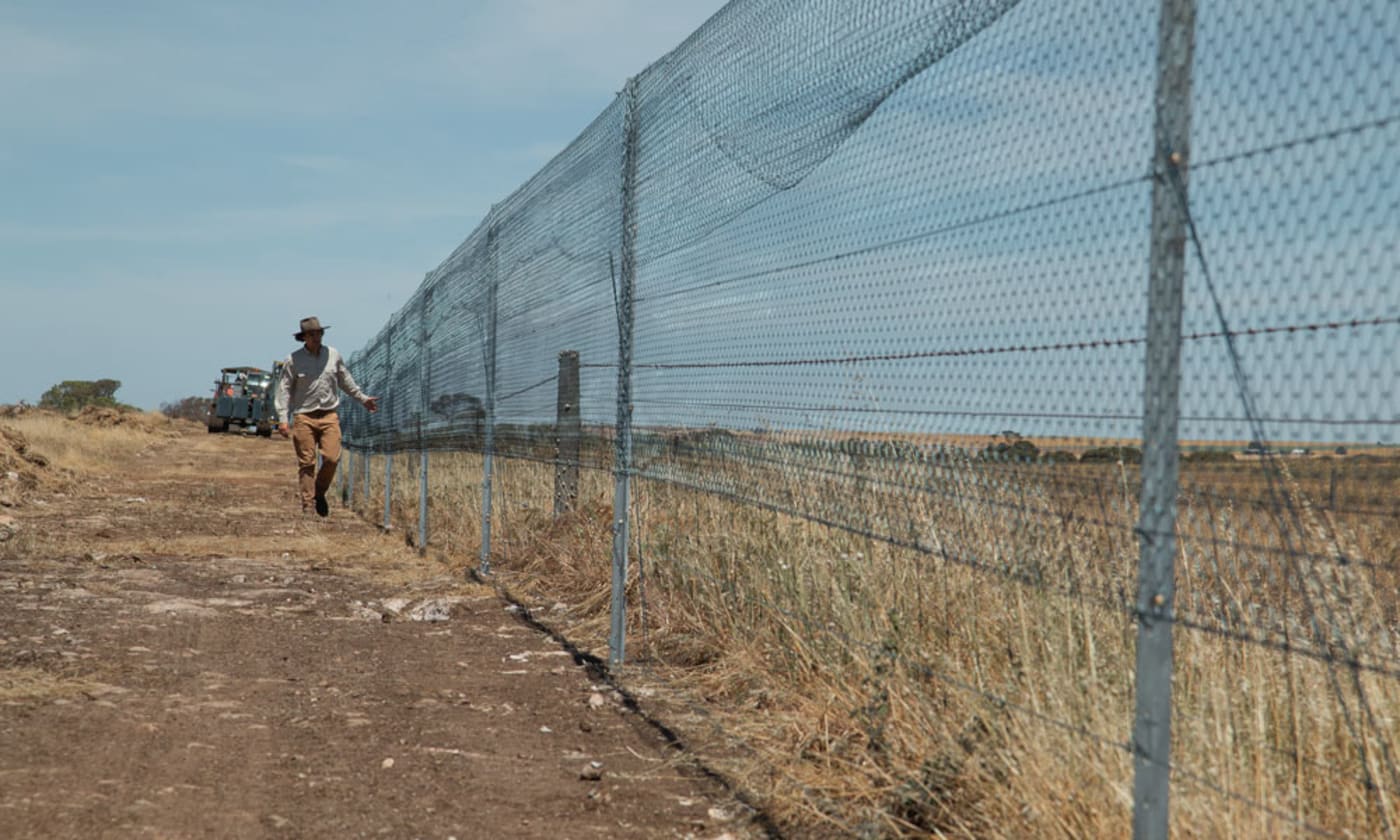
{"points": [[182, 655]]}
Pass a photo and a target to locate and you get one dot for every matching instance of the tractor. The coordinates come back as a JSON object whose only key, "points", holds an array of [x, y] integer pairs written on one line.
{"points": [[243, 397]]}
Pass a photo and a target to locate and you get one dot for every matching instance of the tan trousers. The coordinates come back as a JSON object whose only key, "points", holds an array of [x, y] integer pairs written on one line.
{"points": [[311, 431]]}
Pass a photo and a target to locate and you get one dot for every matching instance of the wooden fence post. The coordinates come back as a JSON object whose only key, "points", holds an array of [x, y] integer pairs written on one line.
{"points": [[567, 431]]}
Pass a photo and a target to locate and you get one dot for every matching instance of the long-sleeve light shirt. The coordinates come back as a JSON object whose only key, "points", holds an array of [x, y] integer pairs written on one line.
{"points": [[314, 383]]}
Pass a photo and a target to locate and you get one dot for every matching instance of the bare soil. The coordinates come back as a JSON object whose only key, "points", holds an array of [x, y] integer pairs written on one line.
{"points": [[184, 654]]}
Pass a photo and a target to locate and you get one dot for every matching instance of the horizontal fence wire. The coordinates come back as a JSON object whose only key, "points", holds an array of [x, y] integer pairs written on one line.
{"points": [[857, 295]]}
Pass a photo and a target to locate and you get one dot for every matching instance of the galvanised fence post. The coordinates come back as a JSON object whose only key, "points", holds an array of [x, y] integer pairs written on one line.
{"points": [[567, 431], [389, 435], [489, 445], [622, 456], [1151, 740], [422, 413]]}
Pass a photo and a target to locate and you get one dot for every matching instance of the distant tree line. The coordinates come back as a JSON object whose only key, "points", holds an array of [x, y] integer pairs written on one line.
{"points": [[190, 408], [74, 395]]}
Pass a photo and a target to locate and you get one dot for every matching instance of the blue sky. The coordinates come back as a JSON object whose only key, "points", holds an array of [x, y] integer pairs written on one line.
{"points": [[183, 181]]}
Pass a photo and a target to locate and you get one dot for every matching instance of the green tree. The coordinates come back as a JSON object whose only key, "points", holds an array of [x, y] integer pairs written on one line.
{"points": [[77, 394]]}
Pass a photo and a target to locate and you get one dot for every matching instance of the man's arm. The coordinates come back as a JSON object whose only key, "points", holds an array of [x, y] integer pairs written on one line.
{"points": [[282, 398], [347, 384]]}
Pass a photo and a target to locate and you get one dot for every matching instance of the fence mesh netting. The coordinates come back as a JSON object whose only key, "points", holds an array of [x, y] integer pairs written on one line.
{"points": [[872, 277]]}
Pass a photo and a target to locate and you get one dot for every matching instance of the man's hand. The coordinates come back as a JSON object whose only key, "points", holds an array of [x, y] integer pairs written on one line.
{"points": [[283, 430], [372, 403]]}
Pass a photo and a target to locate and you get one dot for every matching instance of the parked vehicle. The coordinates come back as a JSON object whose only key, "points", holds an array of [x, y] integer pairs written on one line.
{"points": [[243, 399]]}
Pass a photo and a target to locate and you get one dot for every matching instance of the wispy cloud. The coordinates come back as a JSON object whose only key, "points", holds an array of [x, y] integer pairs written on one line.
{"points": [[324, 163], [246, 223], [26, 55], [230, 62], [523, 50], [538, 153], [191, 62]]}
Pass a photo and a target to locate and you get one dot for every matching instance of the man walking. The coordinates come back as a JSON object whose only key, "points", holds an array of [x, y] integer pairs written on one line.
{"points": [[309, 392]]}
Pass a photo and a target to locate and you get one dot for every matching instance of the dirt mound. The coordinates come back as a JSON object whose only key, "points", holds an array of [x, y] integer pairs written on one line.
{"points": [[18, 410], [21, 471], [106, 418], [110, 418]]}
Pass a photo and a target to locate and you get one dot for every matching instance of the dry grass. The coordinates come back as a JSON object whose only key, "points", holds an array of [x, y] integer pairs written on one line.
{"points": [[95, 443], [978, 681], [25, 683]]}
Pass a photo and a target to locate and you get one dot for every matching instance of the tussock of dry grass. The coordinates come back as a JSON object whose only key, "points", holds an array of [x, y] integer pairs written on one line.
{"points": [[982, 685], [23, 683]]}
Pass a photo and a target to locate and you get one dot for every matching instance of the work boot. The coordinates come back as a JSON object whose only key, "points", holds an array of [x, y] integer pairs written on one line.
{"points": [[322, 508]]}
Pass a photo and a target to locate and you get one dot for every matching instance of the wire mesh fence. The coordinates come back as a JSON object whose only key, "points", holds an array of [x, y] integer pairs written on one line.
{"points": [[985, 410]]}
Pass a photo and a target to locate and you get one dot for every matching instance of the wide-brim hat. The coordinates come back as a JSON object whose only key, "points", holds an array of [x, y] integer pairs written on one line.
{"points": [[309, 325]]}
